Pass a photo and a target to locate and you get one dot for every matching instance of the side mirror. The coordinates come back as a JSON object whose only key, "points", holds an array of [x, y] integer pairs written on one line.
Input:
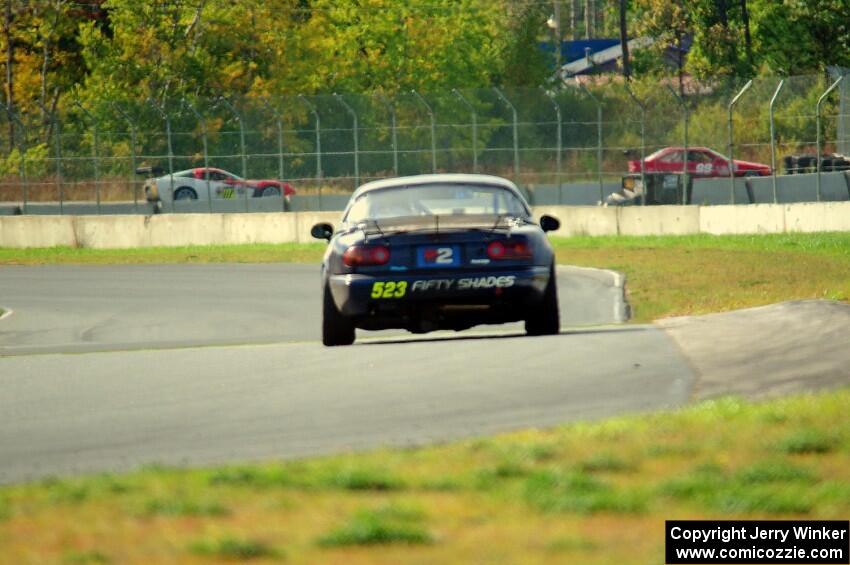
{"points": [[549, 223], [323, 230]]}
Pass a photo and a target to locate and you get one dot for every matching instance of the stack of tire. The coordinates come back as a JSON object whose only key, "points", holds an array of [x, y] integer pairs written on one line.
{"points": [[807, 163]]}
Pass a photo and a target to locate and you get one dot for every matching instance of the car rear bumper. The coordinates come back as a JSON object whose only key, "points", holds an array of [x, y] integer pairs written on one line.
{"points": [[360, 294]]}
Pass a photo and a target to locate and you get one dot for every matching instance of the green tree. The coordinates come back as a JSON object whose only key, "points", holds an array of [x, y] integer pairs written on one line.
{"points": [[518, 61], [800, 37], [670, 24], [43, 58], [208, 47]]}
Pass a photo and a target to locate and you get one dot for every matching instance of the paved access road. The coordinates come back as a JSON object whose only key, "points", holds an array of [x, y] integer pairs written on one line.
{"points": [[202, 364]]}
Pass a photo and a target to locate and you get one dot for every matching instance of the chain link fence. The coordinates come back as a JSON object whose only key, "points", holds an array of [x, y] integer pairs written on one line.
{"points": [[565, 146]]}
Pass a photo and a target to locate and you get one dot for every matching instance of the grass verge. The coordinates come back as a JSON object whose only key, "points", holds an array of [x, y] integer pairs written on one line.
{"points": [[667, 275], [254, 253], [685, 275], [584, 493]]}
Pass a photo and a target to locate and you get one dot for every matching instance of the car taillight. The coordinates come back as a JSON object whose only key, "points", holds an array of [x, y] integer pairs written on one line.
{"points": [[357, 255], [508, 249]]}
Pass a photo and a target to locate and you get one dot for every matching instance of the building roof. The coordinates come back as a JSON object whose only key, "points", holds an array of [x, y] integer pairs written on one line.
{"points": [[586, 64]]}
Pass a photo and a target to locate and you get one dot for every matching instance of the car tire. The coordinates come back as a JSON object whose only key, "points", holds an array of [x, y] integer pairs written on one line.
{"points": [[185, 193], [827, 165], [336, 328], [270, 191], [545, 319]]}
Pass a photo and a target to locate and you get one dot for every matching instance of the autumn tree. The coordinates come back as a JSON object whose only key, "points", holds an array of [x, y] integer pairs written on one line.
{"points": [[670, 24], [801, 37]]}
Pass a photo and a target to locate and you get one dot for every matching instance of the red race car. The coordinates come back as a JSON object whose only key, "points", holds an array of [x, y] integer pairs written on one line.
{"points": [[702, 162]]}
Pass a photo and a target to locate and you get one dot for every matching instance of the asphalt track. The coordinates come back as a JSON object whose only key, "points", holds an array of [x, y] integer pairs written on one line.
{"points": [[106, 368]]}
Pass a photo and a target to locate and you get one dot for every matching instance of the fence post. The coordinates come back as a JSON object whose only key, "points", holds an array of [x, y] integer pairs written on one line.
{"points": [[773, 138], [558, 144], [22, 171], [685, 176], [817, 125], [57, 142], [203, 125], [515, 131], [167, 119], [132, 126], [732, 141], [96, 153], [318, 145], [57, 145], [598, 141], [642, 106], [393, 129], [238, 117], [433, 131], [474, 116], [279, 122], [351, 111]]}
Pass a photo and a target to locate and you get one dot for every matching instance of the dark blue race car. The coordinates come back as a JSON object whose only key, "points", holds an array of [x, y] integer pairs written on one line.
{"points": [[436, 252]]}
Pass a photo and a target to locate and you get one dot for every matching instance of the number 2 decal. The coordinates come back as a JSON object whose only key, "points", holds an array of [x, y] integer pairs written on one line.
{"points": [[389, 289], [704, 168], [444, 255]]}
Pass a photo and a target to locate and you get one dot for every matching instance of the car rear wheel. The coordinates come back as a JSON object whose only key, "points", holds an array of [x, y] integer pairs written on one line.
{"points": [[336, 328], [545, 319], [185, 193]]}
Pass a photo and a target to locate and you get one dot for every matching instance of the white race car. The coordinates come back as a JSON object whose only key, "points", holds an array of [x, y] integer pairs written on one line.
{"points": [[208, 182]]}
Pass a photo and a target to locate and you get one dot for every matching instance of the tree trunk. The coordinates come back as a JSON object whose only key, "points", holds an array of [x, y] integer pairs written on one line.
{"points": [[557, 32], [680, 60], [745, 17], [599, 18], [722, 12], [10, 76], [588, 15], [45, 61], [624, 41], [573, 12]]}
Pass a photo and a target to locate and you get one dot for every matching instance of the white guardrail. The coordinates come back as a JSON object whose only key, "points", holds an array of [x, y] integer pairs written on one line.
{"points": [[171, 230]]}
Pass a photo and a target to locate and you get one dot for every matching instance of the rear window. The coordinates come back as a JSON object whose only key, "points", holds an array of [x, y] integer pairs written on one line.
{"points": [[435, 199]]}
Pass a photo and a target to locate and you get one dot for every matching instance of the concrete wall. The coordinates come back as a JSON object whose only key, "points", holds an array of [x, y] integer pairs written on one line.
{"points": [[163, 230], [37, 231], [835, 187], [570, 194], [744, 218], [581, 220], [658, 220], [169, 230], [812, 217]]}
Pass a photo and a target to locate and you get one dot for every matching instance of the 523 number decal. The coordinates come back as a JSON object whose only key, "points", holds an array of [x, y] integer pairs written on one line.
{"points": [[389, 289]]}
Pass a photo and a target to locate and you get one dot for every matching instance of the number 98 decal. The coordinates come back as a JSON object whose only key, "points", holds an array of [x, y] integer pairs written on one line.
{"points": [[389, 289]]}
